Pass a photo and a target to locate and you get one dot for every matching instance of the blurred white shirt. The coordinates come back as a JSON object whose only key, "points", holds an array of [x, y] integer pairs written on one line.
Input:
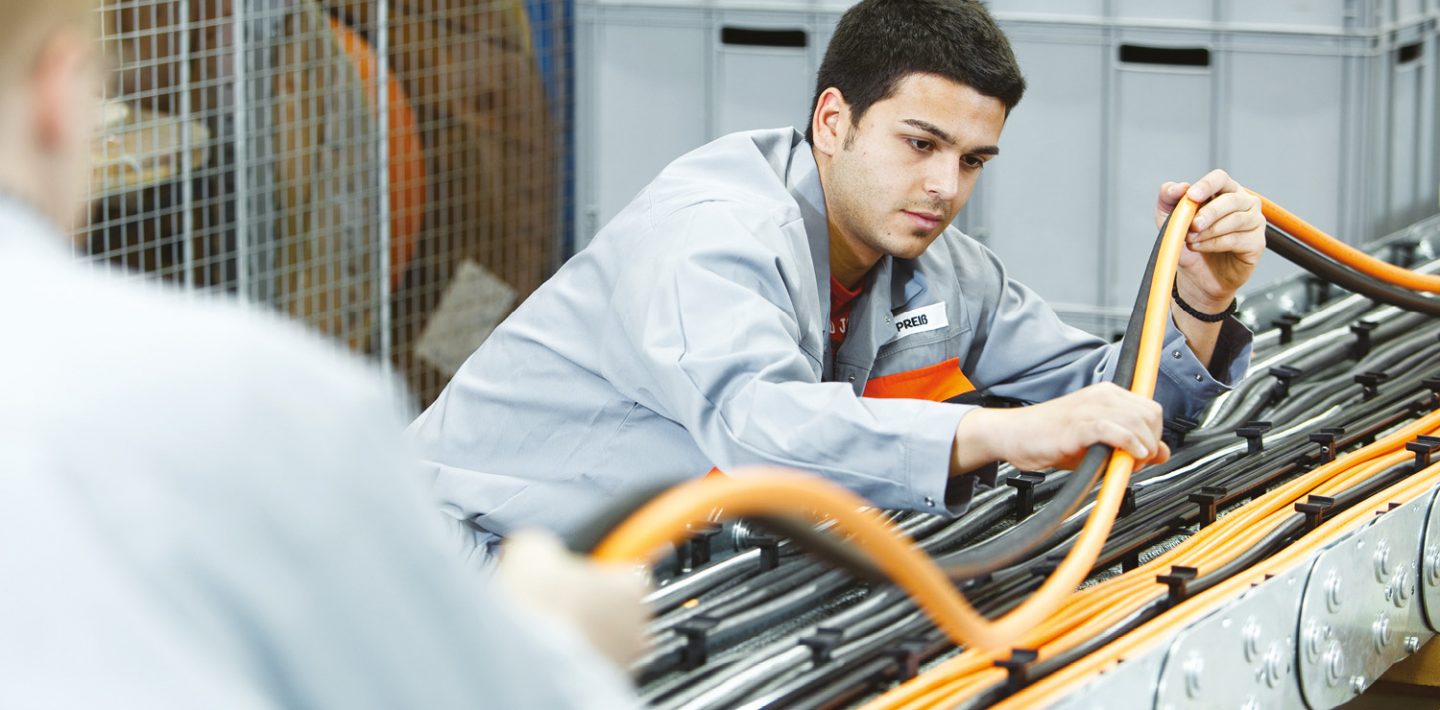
{"points": [[201, 507]]}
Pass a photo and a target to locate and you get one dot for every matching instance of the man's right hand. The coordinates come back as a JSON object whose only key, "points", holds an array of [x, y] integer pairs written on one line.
{"points": [[1056, 434], [602, 602]]}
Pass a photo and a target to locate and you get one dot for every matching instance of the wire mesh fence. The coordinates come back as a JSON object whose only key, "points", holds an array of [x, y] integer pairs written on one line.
{"points": [[388, 172]]}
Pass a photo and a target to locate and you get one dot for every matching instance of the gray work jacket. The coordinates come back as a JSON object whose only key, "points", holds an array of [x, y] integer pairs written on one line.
{"points": [[693, 332], [203, 508]]}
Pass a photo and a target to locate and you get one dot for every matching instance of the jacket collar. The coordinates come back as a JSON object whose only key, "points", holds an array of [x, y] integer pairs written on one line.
{"points": [[802, 179], [871, 325]]}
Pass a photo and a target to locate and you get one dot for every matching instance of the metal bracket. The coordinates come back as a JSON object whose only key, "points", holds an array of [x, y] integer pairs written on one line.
{"points": [[1430, 566], [1360, 612], [1240, 656], [1131, 684]]}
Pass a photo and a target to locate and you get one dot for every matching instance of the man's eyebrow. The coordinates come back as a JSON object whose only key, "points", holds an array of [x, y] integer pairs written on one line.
{"points": [[944, 137], [930, 128]]}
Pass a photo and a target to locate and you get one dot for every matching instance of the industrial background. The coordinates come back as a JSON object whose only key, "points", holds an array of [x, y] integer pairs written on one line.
{"points": [[407, 222], [398, 189], [399, 175]]}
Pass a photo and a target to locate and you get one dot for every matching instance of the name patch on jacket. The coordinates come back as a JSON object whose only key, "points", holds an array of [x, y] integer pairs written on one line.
{"points": [[921, 320]]}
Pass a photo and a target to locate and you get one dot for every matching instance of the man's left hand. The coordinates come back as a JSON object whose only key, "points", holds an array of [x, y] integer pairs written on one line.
{"points": [[1225, 241]]}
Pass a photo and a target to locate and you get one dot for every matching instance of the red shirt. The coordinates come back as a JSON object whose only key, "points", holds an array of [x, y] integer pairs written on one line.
{"points": [[842, 301]]}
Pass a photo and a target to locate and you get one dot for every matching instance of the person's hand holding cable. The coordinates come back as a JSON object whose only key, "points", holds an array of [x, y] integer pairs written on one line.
{"points": [[1220, 254], [1056, 434], [1221, 251]]}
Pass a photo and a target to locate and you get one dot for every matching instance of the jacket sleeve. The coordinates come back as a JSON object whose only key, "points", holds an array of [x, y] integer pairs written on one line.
{"points": [[709, 337], [1023, 350]]}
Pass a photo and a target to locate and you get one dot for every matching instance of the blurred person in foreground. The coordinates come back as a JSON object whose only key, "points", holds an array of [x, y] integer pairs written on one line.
{"points": [[202, 507]]}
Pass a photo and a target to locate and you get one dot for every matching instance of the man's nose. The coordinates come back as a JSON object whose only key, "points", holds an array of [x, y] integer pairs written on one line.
{"points": [[942, 181]]}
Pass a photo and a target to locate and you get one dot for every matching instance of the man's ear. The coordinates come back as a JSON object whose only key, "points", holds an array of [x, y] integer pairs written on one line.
{"points": [[831, 121], [61, 77]]}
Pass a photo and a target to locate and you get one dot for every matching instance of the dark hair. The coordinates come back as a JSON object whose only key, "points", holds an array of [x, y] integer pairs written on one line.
{"points": [[880, 42]]}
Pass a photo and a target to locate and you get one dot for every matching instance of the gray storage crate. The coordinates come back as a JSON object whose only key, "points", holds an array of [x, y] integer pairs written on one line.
{"points": [[1338, 126], [641, 100], [1326, 106], [1042, 203], [1300, 16], [656, 81]]}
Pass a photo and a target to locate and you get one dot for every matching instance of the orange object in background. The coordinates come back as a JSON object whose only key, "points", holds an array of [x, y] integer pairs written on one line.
{"points": [[407, 156]]}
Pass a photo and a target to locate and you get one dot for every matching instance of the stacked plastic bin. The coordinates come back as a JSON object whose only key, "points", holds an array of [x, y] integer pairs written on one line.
{"points": [[1327, 106]]}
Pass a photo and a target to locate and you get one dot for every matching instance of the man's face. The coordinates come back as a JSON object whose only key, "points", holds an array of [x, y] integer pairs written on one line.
{"points": [[901, 176]]}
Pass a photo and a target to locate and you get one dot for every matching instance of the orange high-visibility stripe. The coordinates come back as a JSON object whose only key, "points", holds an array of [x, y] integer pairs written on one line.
{"points": [[937, 383]]}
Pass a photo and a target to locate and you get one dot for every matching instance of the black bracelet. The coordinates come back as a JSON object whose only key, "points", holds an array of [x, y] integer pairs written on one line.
{"points": [[1206, 317]]}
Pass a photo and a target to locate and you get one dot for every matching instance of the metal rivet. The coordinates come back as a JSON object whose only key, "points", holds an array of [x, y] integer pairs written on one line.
{"points": [[1314, 640], [1332, 591], [930, 501], [1382, 561], [1175, 354], [1275, 666], [1381, 628], [1251, 636], [1194, 668], [1401, 586], [1199, 377], [1412, 644], [1334, 663], [1357, 684], [852, 378]]}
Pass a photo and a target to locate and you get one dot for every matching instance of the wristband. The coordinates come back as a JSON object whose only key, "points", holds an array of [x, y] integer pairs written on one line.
{"points": [[1206, 317]]}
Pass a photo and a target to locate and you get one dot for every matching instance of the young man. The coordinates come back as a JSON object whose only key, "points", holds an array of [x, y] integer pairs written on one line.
{"points": [[804, 302], [202, 508]]}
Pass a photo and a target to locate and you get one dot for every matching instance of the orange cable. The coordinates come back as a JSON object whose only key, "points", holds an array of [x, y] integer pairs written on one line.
{"points": [[1344, 253], [1050, 688], [945, 679]]}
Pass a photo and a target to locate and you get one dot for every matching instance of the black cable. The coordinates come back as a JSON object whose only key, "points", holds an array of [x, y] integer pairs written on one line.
{"points": [[1001, 550], [1307, 258]]}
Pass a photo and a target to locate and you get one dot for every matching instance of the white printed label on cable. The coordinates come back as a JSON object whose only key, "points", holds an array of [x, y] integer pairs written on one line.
{"points": [[921, 320]]}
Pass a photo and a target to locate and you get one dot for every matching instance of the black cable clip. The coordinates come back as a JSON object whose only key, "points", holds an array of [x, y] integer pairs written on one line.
{"points": [[1024, 484], [1317, 289], [822, 644], [1370, 382], [1174, 430], [1326, 438], [1286, 323], [1017, 668], [1208, 498], [1178, 582], [1424, 447], [1362, 330], [699, 546], [907, 658], [1252, 434], [769, 550], [1315, 507], [1127, 502], [1130, 561], [696, 631], [1402, 252], [1284, 375], [1432, 384]]}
